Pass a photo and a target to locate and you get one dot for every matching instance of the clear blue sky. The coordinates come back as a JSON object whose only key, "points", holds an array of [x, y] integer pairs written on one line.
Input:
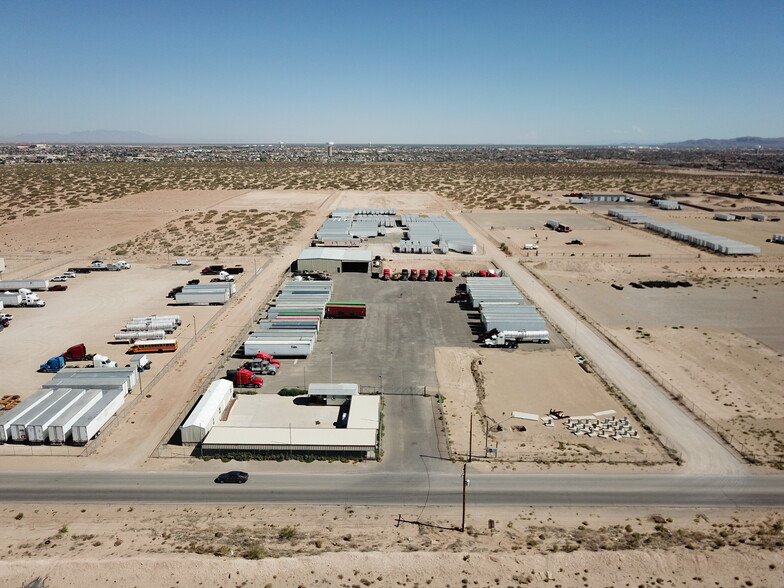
{"points": [[514, 72]]}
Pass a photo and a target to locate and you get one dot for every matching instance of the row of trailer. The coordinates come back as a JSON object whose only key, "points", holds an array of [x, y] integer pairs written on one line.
{"points": [[293, 320], [688, 235], [71, 408], [502, 308], [148, 328]]}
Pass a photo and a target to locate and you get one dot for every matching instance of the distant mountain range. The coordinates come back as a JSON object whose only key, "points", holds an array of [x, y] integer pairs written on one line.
{"points": [[81, 137], [736, 143]]}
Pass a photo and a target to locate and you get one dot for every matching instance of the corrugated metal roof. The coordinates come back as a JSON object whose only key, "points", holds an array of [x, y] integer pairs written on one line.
{"points": [[204, 412]]}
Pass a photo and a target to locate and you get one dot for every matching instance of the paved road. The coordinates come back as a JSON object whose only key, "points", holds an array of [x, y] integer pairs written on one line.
{"points": [[414, 490], [702, 452]]}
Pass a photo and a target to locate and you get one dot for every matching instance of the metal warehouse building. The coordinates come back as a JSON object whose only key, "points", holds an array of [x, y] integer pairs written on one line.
{"points": [[333, 260]]}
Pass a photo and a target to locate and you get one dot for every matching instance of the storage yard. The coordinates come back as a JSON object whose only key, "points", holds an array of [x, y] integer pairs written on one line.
{"points": [[404, 328]]}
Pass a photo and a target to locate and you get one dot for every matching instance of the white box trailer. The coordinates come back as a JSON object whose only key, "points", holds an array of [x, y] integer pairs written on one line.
{"points": [[132, 336], [228, 286], [297, 348], [20, 410], [38, 429], [205, 298], [29, 284], [104, 384], [207, 412], [59, 430], [119, 374], [90, 423], [18, 429]]}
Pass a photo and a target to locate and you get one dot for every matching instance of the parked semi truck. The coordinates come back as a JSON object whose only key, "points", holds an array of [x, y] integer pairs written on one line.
{"points": [[243, 378], [23, 298], [261, 367], [14, 285], [54, 365], [511, 339], [77, 352], [558, 226]]}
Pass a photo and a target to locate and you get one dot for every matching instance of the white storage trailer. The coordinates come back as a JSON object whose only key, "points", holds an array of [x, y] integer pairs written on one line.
{"points": [[279, 348], [118, 374], [207, 412], [28, 405], [38, 429], [19, 284], [90, 423], [18, 429], [207, 298], [59, 430], [104, 384]]}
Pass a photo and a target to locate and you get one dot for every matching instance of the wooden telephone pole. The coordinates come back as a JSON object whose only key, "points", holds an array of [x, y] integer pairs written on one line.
{"points": [[465, 465]]}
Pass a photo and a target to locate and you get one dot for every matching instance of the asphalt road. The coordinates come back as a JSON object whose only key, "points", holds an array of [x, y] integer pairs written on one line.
{"points": [[413, 490]]}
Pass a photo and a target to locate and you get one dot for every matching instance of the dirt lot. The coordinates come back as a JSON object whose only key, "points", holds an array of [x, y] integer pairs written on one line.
{"points": [[531, 379], [718, 343], [314, 546]]}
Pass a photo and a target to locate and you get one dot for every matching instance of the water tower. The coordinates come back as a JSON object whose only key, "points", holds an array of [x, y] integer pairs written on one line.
{"points": [[330, 147]]}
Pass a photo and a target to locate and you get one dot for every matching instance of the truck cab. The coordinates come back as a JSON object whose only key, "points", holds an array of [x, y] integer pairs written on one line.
{"points": [[55, 364]]}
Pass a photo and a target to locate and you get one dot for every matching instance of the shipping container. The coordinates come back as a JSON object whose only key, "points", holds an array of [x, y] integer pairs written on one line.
{"points": [[278, 348], [215, 297]]}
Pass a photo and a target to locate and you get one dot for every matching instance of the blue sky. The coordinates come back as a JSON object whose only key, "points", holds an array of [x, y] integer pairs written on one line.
{"points": [[514, 72]]}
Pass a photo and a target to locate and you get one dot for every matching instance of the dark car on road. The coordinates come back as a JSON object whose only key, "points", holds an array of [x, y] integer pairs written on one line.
{"points": [[232, 478]]}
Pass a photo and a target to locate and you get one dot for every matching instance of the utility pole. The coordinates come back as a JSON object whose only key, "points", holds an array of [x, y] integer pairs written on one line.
{"points": [[465, 465], [330, 367]]}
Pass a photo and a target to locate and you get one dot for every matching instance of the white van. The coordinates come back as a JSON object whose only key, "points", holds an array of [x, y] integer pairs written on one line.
{"points": [[530, 246]]}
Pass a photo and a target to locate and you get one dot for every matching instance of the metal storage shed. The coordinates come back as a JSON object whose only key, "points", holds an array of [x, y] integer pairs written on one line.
{"points": [[334, 260], [206, 412]]}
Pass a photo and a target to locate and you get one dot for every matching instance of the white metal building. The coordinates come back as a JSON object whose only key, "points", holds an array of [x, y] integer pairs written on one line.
{"points": [[207, 412]]}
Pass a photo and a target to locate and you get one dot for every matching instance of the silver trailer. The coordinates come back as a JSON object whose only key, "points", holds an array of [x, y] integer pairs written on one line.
{"points": [[158, 317], [59, 430], [28, 405], [199, 298], [38, 429], [90, 423], [12, 285], [132, 336]]}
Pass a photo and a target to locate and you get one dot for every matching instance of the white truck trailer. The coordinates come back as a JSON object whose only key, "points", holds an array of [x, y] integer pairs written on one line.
{"points": [[14, 285], [38, 429], [278, 348], [18, 429], [511, 339], [59, 430], [158, 317], [214, 297], [90, 423], [20, 410], [22, 298]]}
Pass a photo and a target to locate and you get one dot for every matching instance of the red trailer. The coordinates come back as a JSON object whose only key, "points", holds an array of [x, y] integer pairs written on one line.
{"points": [[345, 311]]}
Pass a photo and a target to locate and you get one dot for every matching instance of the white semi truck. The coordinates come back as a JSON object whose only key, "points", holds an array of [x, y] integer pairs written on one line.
{"points": [[510, 339], [24, 297]]}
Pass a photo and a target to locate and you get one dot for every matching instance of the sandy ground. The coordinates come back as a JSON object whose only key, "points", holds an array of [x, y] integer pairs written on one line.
{"points": [[354, 546], [148, 544], [489, 384]]}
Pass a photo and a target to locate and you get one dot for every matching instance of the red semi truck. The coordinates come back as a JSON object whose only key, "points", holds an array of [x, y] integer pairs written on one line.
{"points": [[243, 378]]}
